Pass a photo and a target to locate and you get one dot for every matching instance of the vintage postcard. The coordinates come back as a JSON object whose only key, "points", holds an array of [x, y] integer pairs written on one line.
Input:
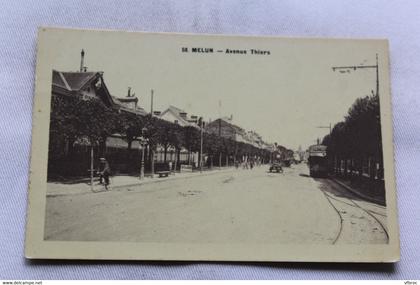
{"points": [[154, 146]]}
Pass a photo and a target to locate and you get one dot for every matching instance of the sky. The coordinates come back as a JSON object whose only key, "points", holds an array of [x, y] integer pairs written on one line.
{"points": [[284, 96]]}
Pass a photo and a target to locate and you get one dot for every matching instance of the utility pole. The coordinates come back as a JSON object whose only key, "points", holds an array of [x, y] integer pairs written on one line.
{"points": [[354, 67], [82, 58], [91, 165], [151, 102], [325, 127], [377, 76], [142, 145], [201, 144], [220, 133]]}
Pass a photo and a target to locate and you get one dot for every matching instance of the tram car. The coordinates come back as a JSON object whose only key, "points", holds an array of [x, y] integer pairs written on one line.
{"points": [[318, 161]]}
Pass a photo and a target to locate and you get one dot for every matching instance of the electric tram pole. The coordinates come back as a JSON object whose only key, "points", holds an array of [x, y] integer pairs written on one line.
{"points": [[354, 67]]}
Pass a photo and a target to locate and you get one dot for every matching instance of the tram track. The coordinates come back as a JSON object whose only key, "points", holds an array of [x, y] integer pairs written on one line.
{"points": [[340, 204]]}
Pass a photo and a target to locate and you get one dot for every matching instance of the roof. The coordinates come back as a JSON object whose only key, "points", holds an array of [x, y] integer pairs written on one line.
{"points": [[70, 83], [317, 148], [73, 81], [227, 121], [176, 110], [241, 135], [119, 102], [128, 99], [177, 113]]}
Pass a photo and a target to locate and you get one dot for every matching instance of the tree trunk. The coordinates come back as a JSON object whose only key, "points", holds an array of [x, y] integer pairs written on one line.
{"points": [[336, 165], [381, 168], [199, 162], [227, 160], [129, 144], [372, 169], [152, 161], [176, 160], [220, 159], [70, 145], [165, 152], [178, 155], [345, 167], [66, 148], [91, 167], [102, 146]]}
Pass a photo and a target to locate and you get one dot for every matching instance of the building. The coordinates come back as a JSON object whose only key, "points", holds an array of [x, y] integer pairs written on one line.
{"points": [[91, 85], [88, 85], [73, 154], [178, 116], [130, 104], [225, 128]]}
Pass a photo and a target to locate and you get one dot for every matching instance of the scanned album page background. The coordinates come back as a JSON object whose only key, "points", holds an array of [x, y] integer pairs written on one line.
{"points": [[388, 19]]}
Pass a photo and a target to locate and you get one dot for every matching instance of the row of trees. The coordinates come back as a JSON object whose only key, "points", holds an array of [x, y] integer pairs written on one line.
{"points": [[77, 121], [355, 145]]}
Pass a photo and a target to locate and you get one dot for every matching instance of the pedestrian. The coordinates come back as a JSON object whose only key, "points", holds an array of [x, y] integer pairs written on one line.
{"points": [[104, 172]]}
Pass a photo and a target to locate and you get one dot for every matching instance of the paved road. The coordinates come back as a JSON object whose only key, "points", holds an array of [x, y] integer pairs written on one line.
{"points": [[235, 206]]}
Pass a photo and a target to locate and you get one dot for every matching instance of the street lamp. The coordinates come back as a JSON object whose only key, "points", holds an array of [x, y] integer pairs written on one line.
{"points": [[142, 144]]}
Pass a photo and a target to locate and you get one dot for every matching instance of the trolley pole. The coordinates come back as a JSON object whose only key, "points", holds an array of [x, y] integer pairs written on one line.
{"points": [[354, 67], [201, 145], [325, 127]]}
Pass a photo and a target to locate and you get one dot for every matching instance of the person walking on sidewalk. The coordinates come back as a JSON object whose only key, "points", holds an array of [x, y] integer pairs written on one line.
{"points": [[104, 172]]}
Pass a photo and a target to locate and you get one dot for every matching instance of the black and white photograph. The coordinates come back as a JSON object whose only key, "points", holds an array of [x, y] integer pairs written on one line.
{"points": [[184, 140]]}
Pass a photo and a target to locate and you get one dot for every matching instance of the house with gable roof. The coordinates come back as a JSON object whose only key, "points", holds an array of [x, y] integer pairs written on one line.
{"points": [[180, 117], [91, 85], [224, 127]]}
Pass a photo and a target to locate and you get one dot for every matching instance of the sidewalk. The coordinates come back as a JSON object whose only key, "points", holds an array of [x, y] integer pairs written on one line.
{"points": [[120, 181], [367, 191]]}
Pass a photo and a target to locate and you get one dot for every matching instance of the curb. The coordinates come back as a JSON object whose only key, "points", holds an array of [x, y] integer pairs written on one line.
{"points": [[170, 179], [139, 183], [370, 199]]}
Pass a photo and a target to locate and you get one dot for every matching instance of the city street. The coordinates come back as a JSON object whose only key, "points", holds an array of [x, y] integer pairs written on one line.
{"points": [[240, 205]]}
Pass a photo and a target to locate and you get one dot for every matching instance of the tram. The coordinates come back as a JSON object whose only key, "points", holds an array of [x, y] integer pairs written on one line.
{"points": [[318, 161]]}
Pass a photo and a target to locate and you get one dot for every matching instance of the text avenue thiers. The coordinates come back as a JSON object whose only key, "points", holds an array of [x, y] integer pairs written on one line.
{"points": [[226, 51]]}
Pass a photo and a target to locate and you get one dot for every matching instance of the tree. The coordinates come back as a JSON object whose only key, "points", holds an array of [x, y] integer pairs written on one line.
{"points": [[191, 139], [169, 135], [130, 127], [73, 118], [358, 138]]}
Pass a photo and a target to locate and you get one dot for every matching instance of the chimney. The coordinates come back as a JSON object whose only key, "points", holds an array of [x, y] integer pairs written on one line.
{"points": [[183, 115], [194, 119], [82, 58], [129, 92]]}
